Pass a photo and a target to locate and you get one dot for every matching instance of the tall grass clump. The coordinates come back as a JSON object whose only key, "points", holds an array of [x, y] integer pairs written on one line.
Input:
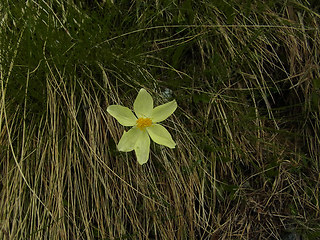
{"points": [[247, 82]]}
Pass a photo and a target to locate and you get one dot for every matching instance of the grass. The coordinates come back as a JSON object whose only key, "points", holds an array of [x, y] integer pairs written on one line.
{"points": [[246, 79]]}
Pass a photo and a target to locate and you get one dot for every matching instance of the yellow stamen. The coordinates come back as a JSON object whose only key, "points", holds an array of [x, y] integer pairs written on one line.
{"points": [[142, 123]]}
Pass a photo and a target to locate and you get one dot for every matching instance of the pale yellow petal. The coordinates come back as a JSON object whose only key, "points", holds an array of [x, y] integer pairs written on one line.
{"points": [[163, 111], [142, 147], [143, 104], [128, 140], [161, 135], [123, 114]]}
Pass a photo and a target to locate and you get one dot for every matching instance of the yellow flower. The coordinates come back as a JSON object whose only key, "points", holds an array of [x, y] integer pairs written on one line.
{"points": [[144, 125]]}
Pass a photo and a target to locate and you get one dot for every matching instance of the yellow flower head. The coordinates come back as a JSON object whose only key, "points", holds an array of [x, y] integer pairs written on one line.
{"points": [[144, 125]]}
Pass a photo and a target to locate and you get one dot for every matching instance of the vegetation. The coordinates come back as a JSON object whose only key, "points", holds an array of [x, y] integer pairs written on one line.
{"points": [[246, 78]]}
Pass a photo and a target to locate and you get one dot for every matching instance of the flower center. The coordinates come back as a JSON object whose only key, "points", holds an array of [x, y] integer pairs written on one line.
{"points": [[142, 123]]}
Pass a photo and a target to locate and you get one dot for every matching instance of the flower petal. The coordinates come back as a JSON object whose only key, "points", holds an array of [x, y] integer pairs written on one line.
{"points": [[128, 140], [142, 147], [163, 111], [143, 104], [161, 135], [123, 114]]}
